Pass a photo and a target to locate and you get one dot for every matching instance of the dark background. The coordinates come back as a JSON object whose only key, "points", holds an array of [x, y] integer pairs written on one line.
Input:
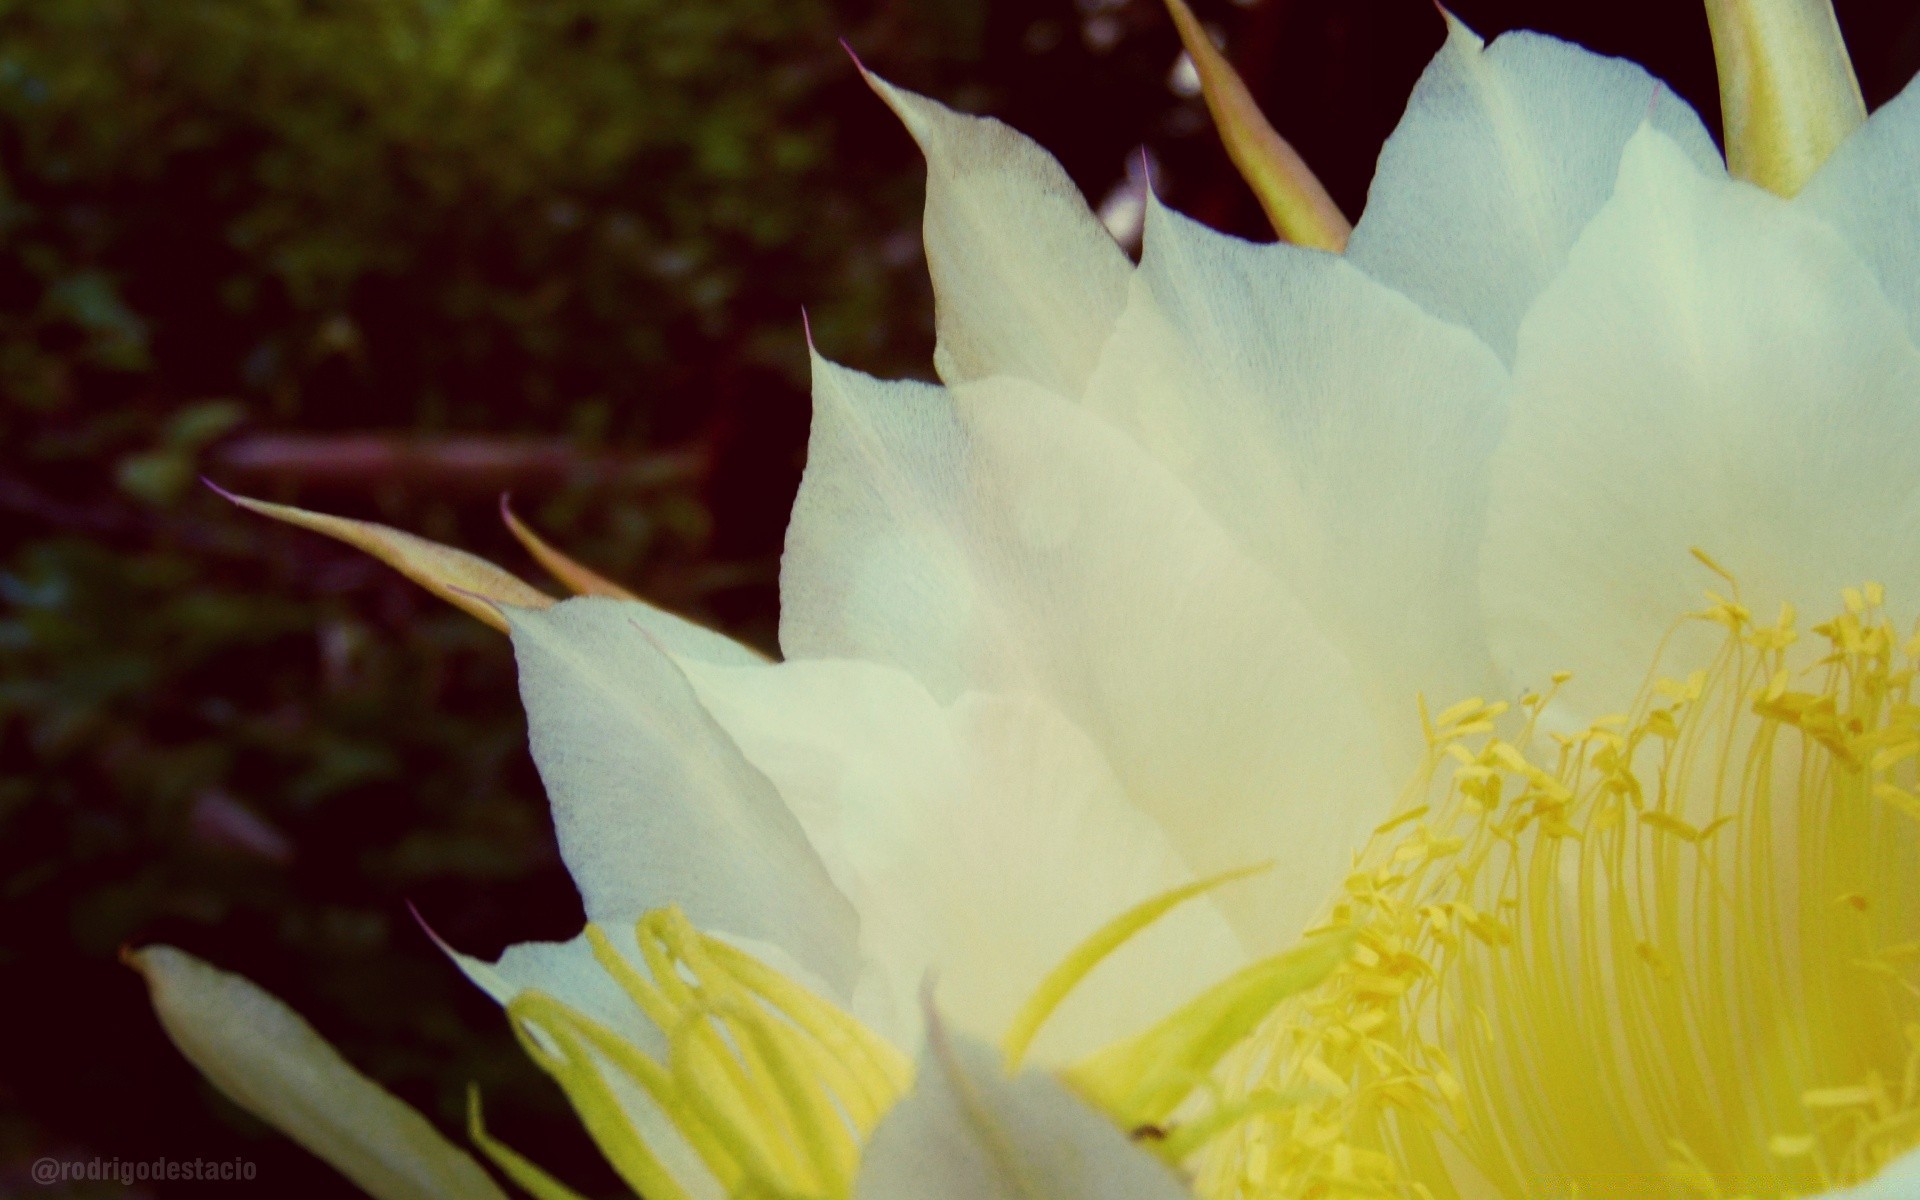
{"points": [[389, 258]]}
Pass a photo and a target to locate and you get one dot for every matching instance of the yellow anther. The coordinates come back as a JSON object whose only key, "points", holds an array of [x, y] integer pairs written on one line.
{"points": [[866, 1072], [1620, 926]]}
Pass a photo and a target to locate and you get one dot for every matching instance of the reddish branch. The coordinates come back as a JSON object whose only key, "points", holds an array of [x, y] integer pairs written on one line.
{"points": [[441, 464]]}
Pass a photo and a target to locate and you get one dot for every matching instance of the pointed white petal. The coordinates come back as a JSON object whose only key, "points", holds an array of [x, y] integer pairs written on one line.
{"points": [[1715, 368], [966, 1132], [1867, 192], [1339, 431], [1002, 539], [652, 802], [1026, 279], [1503, 155], [269, 1061], [980, 842], [690, 640]]}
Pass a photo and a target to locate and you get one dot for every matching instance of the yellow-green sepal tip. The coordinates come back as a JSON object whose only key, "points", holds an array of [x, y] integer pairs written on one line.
{"points": [[1788, 95], [1294, 199]]}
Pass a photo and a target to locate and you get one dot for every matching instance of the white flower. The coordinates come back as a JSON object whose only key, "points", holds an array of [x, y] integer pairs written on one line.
{"points": [[1148, 593]]}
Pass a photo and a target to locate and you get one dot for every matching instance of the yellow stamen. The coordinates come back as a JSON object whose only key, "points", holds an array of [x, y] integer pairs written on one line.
{"points": [[1064, 978], [526, 1175], [1672, 955], [1146, 1077], [562, 1043], [773, 1088]]}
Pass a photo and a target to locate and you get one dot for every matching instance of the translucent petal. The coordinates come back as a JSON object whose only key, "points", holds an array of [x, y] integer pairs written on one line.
{"points": [[1867, 192], [980, 841], [269, 1061], [1337, 430], [1714, 369], [967, 1132], [1026, 280], [1002, 539], [653, 803], [690, 641], [1503, 155]]}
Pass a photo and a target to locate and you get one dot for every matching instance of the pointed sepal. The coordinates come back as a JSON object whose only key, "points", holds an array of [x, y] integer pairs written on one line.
{"points": [[1293, 197], [1788, 94], [580, 579], [466, 581]]}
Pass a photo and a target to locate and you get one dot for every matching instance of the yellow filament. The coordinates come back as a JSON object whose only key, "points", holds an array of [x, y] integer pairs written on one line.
{"points": [[1063, 979], [525, 1174], [1672, 955], [771, 1087], [1141, 1080], [540, 1021]]}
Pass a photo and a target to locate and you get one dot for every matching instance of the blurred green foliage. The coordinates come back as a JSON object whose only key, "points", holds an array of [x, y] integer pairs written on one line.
{"points": [[332, 204], [589, 220]]}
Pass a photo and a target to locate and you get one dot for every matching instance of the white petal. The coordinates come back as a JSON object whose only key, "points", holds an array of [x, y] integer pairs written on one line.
{"points": [[1714, 369], [980, 842], [269, 1061], [1026, 279], [653, 804], [1002, 539], [966, 1132], [1867, 191], [568, 972], [1339, 431], [690, 640], [1503, 155]]}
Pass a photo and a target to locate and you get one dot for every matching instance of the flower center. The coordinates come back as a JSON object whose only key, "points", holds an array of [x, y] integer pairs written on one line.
{"points": [[1673, 954]]}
